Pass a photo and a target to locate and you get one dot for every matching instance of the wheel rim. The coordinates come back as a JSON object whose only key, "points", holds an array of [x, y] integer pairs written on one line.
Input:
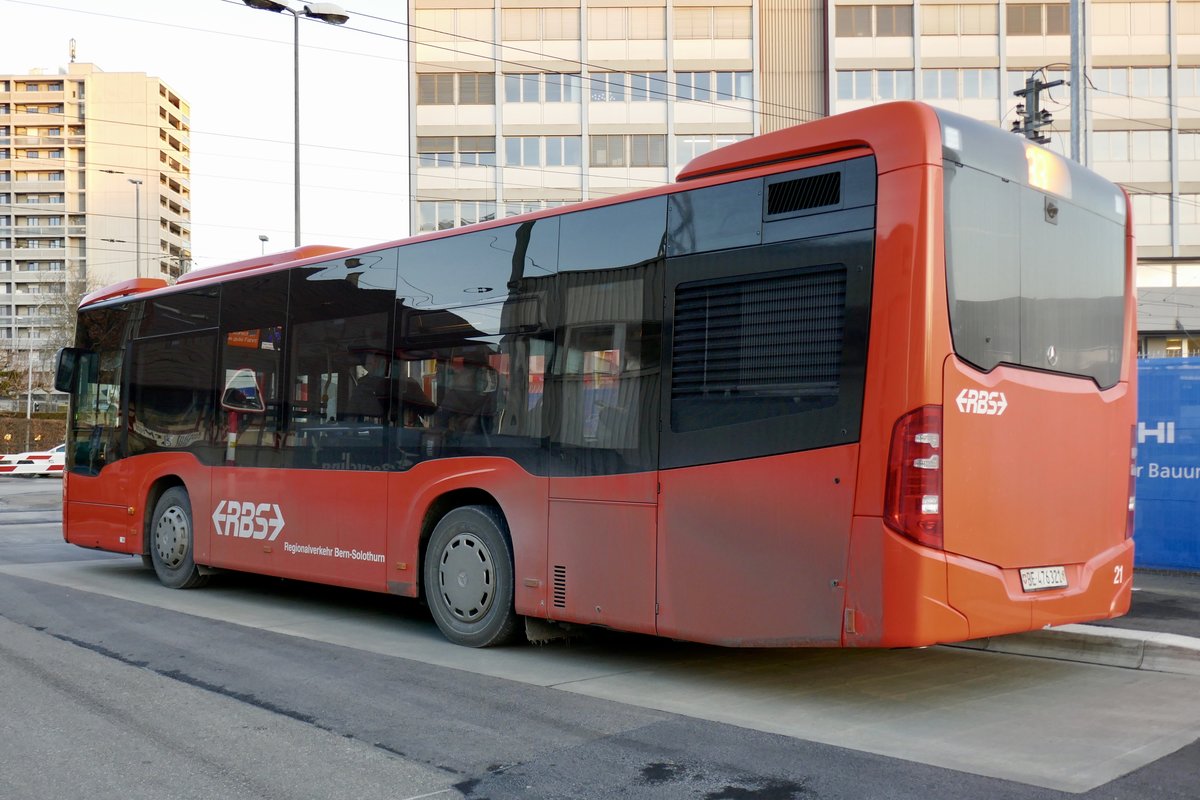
{"points": [[467, 577], [171, 537]]}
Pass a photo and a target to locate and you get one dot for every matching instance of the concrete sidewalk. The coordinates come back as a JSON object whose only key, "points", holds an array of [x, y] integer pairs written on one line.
{"points": [[1161, 632]]}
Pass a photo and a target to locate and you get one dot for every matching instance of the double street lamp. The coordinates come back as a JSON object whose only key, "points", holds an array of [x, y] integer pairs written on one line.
{"points": [[322, 12]]}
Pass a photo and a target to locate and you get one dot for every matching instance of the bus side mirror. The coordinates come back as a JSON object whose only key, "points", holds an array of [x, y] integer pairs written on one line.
{"points": [[67, 367], [242, 393]]}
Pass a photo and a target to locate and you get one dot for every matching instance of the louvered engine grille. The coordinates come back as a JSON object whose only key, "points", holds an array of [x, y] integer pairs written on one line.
{"points": [[801, 194], [777, 335]]}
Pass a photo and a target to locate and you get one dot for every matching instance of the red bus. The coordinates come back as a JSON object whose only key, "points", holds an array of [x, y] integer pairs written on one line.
{"points": [[868, 381]]}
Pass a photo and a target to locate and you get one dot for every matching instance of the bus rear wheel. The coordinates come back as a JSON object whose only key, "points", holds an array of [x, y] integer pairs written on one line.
{"points": [[172, 541], [468, 578]]}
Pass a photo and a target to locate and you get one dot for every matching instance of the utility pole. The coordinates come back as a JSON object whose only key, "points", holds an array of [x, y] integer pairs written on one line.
{"points": [[1031, 116]]}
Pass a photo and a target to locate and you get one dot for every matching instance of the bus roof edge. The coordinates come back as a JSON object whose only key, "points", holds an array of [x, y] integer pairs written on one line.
{"points": [[296, 254], [123, 289]]}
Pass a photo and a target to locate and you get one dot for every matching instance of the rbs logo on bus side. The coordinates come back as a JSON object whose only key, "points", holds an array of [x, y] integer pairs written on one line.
{"points": [[247, 520], [976, 401]]}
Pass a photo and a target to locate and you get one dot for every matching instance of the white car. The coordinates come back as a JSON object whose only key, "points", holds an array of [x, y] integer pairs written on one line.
{"points": [[41, 462]]}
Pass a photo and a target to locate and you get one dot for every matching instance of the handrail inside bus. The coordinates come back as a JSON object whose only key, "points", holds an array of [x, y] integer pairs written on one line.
{"points": [[297, 254]]}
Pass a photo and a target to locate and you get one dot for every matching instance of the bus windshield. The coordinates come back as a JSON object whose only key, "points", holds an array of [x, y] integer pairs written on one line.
{"points": [[1035, 273]]}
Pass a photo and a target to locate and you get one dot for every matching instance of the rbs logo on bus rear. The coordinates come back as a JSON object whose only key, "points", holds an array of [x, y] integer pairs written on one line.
{"points": [[247, 520], [978, 401]]}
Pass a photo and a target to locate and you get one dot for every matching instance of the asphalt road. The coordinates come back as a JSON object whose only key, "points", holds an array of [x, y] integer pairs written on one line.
{"points": [[105, 693]]}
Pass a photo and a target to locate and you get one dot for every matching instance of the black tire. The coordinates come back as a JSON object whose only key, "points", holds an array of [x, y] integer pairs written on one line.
{"points": [[172, 541], [468, 578]]}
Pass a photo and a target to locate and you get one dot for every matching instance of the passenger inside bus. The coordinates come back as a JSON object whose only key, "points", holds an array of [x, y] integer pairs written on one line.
{"points": [[470, 400], [368, 398]]}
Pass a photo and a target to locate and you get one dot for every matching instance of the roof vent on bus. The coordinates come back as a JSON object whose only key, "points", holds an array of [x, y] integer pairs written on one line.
{"points": [[803, 194]]}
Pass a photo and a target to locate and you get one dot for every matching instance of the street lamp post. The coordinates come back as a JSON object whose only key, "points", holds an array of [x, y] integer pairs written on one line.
{"points": [[262, 237], [322, 12], [137, 226]]}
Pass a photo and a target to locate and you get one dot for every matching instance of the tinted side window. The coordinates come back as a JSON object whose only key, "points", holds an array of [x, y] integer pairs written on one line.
{"points": [[613, 236], [179, 313], [768, 349], [173, 396], [95, 435], [602, 391], [253, 313], [476, 267], [471, 380], [340, 363]]}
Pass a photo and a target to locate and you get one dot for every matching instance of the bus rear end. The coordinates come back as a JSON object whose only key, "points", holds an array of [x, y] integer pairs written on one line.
{"points": [[1012, 476]]}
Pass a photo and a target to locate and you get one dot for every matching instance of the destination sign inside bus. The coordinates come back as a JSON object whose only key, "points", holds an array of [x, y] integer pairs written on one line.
{"points": [[1048, 171]]}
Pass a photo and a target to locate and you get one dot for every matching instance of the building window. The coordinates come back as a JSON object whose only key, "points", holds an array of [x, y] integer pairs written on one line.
{"points": [[563, 151], [524, 88], [939, 84], [435, 151], [693, 23], [1188, 79], [607, 151], [435, 89], [647, 86], [1149, 81], [470, 213], [893, 21], [477, 89], [531, 24], [981, 20], [477, 151], [980, 83], [889, 84], [939, 20], [648, 150], [712, 23], [854, 84], [894, 84], [435, 215], [688, 147], [636, 150], [1111, 81], [608, 87], [562, 87], [1024, 20], [1058, 21], [522, 151], [607, 23], [1110, 146], [701, 85], [647, 23], [854, 21]]}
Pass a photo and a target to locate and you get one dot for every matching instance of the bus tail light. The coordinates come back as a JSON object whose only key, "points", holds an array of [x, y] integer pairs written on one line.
{"points": [[913, 501]]}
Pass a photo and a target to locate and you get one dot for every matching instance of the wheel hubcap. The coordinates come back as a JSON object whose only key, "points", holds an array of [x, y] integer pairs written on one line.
{"points": [[171, 537], [466, 577]]}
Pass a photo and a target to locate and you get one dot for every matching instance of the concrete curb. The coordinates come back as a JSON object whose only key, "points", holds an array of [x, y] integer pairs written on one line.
{"points": [[1110, 647]]}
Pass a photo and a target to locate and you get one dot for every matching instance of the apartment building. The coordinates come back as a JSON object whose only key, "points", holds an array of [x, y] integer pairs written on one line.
{"points": [[94, 188], [523, 104]]}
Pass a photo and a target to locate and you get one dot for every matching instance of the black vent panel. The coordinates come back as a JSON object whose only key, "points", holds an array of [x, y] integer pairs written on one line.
{"points": [[756, 348], [560, 587], [804, 194]]}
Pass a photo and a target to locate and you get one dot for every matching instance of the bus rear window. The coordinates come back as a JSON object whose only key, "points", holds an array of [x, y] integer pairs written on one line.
{"points": [[1034, 279]]}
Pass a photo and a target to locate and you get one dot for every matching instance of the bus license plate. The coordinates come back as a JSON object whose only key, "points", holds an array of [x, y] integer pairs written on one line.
{"points": [[1039, 579]]}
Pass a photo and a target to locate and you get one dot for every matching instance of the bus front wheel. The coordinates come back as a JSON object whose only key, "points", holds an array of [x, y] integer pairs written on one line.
{"points": [[171, 541], [468, 578]]}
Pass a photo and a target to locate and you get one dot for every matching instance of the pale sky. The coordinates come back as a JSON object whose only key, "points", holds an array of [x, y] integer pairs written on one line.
{"points": [[233, 65]]}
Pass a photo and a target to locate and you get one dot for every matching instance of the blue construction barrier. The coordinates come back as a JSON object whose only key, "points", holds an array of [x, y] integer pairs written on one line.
{"points": [[1167, 523]]}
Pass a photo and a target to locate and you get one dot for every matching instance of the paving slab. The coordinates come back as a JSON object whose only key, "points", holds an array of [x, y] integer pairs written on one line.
{"points": [[1058, 724]]}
